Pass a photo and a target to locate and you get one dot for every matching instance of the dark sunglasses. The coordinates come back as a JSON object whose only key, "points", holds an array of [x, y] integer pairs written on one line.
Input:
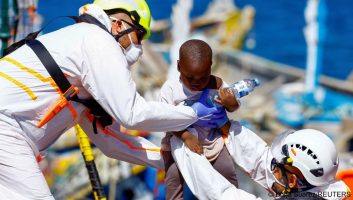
{"points": [[140, 31], [275, 163], [135, 26], [136, 18]]}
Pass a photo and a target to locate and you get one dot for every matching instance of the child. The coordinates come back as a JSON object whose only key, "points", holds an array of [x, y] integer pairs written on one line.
{"points": [[194, 65]]}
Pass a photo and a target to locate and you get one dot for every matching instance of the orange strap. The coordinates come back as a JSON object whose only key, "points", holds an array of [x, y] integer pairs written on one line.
{"points": [[39, 158], [60, 104], [127, 143]]}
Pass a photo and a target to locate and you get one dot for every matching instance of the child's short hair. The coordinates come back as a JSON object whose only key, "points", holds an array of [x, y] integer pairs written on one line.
{"points": [[195, 50]]}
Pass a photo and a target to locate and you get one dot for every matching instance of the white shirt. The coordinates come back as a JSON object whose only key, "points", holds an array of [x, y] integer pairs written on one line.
{"points": [[176, 93]]}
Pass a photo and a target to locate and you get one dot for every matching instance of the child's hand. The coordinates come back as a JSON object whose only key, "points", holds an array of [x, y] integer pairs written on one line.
{"points": [[192, 142], [227, 99]]}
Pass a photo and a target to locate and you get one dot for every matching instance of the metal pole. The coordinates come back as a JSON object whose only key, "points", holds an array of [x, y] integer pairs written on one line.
{"points": [[5, 26], [88, 157]]}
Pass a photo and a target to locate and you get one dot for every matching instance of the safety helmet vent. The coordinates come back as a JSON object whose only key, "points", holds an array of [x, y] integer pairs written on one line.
{"points": [[312, 152], [308, 151]]}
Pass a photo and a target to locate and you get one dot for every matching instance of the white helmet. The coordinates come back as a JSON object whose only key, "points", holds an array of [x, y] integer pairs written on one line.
{"points": [[311, 151]]}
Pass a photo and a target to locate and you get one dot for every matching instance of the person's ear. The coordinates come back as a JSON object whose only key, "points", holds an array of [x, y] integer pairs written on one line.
{"points": [[178, 66], [292, 181]]}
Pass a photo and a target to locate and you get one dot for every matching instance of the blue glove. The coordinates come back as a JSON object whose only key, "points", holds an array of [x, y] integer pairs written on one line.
{"points": [[208, 116], [223, 117]]}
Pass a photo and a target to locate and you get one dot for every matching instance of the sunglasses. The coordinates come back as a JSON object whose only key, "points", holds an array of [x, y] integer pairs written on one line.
{"points": [[274, 164], [140, 31]]}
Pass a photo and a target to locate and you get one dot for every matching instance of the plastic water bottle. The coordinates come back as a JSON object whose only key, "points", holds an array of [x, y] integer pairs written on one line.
{"points": [[240, 88], [244, 87]]}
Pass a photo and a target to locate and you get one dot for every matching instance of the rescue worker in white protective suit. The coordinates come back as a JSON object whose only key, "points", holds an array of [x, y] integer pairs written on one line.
{"points": [[298, 165], [96, 62]]}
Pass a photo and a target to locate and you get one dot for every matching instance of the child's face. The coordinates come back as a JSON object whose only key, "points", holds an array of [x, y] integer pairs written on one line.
{"points": [[195, 75]]}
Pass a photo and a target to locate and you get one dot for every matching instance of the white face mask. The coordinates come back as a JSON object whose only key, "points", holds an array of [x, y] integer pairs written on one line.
{"points": [[132, 52]]}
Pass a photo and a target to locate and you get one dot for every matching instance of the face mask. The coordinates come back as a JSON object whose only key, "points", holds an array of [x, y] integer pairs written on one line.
{"points": [[132, 52]]}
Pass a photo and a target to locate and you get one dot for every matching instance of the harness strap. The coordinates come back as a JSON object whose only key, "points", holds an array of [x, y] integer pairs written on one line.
{"points": [[69, 92], [50, 64], [91, 20]]}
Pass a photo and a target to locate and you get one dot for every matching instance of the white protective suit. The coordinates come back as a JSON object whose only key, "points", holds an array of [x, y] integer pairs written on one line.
{"points": [[250, 152], [96, 64]]}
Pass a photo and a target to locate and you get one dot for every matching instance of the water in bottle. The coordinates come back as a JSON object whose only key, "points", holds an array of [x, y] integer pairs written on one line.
{"points": [[244, 87], [240, 88]]}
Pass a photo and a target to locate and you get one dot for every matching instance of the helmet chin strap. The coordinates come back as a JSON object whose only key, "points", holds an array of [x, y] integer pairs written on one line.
{"points": [[286, 189], [303, 184]]}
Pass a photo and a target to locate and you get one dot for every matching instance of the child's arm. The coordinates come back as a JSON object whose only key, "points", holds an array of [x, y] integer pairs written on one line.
{"points": [[166, 96], [190, 141]]}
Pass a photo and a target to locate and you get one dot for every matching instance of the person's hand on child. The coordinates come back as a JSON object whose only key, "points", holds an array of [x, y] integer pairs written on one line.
{"points": [[208, 116]]}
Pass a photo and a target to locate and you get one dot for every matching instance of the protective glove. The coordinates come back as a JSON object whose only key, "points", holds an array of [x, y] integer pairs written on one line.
{"points": [[223, 117], [208, 116]]}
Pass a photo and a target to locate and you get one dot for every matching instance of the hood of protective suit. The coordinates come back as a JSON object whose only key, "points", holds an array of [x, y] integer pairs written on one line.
{"points": [[270, 178], [98, 13]]}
